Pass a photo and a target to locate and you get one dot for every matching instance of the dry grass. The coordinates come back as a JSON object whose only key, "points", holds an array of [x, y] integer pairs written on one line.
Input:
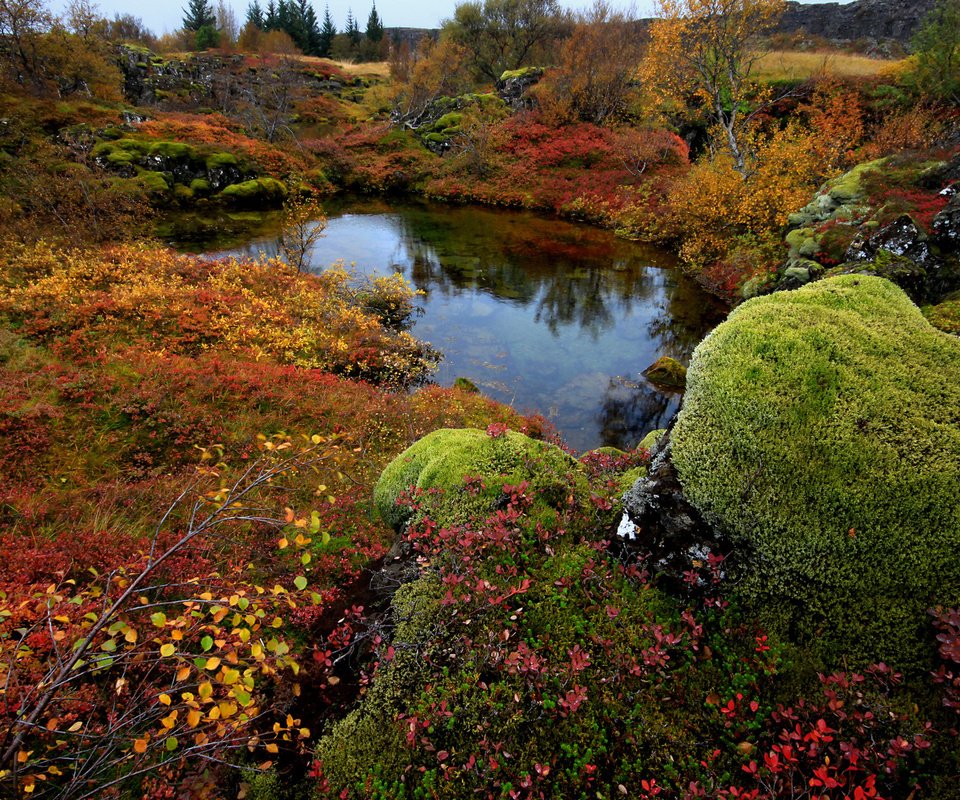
{"points": [[792, 65], [379, 69]]}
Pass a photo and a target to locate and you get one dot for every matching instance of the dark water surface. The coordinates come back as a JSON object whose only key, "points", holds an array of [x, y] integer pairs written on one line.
{"points": [[549, 316]]}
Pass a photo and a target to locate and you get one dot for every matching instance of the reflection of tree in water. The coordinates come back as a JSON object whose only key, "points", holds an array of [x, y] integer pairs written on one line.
{"points": [[578, 277], [592, 299], [685, 309], [630, 410]]}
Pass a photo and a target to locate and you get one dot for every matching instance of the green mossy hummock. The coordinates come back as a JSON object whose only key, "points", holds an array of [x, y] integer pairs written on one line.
{"points": [[821, 429], [442, 459]]}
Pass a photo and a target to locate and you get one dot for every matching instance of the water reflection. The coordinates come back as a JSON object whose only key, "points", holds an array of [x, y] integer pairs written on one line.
{"points": [[549, 316]]}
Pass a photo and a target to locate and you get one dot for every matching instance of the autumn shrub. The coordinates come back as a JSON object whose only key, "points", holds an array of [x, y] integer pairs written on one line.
{"points": [[712, 209], [535, 661], [257, 309], [801, 411], [226, 134], [912, 128], [106, 404]]}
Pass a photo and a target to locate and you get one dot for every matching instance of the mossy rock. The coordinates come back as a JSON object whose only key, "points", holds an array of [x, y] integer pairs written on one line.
{"points": [[848, 187], [666, 371], [442, 459], [200, 186], [177, 151], [259, 191], [153, 182], [220, 160], [368, 738], [523, 72], [649, 441], [839, 198], [820, 431], [466, 385]]}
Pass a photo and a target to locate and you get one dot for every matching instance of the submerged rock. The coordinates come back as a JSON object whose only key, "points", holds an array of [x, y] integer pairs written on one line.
{"points": [[666, 371]]}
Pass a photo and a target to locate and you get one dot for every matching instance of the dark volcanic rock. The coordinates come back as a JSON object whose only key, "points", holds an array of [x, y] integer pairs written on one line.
{"points": [[881, 20], [901, 237], [901, 253], [946, 225], [667, 526]]}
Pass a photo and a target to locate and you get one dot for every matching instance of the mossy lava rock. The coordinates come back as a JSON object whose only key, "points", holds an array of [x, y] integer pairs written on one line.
{"points": [[443, 459], [821, 430]]}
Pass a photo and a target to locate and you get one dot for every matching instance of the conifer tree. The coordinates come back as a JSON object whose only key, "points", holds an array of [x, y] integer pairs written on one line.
{"points": [[327, 31], [283, 15], [353, 30], [374, 25], [255, 15], [270, 22], [312, 29], [198, 14]]}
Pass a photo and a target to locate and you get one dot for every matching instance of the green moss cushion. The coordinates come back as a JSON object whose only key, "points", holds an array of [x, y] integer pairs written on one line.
{"points": [[821, 429], [443, 458]]}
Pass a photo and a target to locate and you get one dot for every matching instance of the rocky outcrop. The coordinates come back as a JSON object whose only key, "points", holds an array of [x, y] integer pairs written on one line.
{"points": [[665, 524], [899, 252], [879, 20], [514, 86]]}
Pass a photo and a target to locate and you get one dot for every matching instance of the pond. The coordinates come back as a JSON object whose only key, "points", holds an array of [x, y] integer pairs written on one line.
{"points": [[546, 315]]}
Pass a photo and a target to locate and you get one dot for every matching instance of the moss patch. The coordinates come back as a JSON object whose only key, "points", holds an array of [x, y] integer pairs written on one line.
{"points": [[820, 429], [945, 315]]}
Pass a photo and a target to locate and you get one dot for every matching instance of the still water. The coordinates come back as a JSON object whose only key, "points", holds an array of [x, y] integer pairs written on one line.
{"points": [[552, 317]]}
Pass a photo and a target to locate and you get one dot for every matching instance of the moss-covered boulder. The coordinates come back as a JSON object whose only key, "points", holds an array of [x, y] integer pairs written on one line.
{"points": [[441, 460], [256, 192], [821, 430]]}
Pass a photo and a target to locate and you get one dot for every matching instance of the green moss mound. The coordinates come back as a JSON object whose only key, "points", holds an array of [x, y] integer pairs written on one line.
{"points": [[821, 430], [442, 459]]}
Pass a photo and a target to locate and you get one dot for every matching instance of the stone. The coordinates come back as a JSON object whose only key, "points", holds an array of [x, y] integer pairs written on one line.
{"points": [[666, 371], [659, 520], [946, 225], [901, 253], [514, 85]]}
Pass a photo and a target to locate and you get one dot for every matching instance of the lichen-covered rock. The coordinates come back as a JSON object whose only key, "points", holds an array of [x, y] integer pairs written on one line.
{"points": [[899, 252], [820, 429], [840, 198], [442, 459], [946, 225], [666, 371]]}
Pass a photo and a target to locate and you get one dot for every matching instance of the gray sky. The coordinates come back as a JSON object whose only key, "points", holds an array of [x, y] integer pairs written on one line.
{"points": [[161, 16]]}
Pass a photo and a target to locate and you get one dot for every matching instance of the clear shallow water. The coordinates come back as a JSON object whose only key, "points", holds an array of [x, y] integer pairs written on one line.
{"points": [[549, 316]]}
